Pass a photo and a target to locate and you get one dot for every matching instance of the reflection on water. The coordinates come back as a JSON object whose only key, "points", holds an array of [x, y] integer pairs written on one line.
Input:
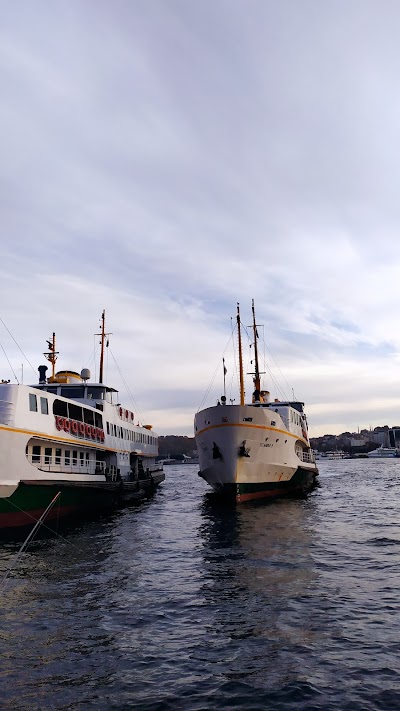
{"points": [[183, 603], [260, 565]]}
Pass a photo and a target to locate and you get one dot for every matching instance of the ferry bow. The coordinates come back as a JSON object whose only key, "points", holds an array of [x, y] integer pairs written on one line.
{"points": [[256, 450]]}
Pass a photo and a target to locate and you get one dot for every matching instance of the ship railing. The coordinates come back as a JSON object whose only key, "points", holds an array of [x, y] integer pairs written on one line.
{"points": [[47, 464], [307, 456], [6, 412]]}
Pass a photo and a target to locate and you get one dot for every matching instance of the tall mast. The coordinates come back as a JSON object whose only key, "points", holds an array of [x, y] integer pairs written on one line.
{"points": [[240, 357], [103, 335], [256, 379], [103, 319], [52, 354]]}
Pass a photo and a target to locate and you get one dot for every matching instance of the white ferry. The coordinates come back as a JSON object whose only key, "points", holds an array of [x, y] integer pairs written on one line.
{"points": [[391, 452], [69, 438], [256, 450]]}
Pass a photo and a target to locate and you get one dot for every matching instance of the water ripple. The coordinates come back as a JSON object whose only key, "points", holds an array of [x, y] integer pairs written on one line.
{"points": [[182, 603]]}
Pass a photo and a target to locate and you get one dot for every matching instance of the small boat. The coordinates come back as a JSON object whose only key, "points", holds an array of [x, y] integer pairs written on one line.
{"points": [[70, 438], [382, 451], [255, 450]]}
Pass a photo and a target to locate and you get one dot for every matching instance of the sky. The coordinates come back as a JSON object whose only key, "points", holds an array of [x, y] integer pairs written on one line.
{"points": [[164, 160]]}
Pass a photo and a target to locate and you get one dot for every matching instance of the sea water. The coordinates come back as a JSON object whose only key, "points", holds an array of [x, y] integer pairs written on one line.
{"points": [[182, 603]]}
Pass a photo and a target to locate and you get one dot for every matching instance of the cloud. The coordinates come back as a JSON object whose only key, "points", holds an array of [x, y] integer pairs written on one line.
{"points": [[165, 161]]}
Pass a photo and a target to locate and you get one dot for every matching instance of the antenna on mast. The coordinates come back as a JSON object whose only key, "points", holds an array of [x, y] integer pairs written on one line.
{"points": [[103, 335]]}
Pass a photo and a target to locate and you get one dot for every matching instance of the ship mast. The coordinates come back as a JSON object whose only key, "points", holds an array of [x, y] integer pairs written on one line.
{"points": [[240, 358], [103, 335], [52, 354], [256, 379]]}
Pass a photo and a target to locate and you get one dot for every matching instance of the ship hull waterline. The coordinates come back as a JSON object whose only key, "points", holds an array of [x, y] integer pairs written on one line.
{"points": [[30, 499], [301, 483]]}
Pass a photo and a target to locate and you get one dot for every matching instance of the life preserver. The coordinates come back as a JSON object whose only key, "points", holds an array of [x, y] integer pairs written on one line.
{"points": [[126, 414], [59, 422], [67, 425], [102, 435], [93, 432], [82, 428], [88, 430], [131, 415], [74, 427], [120, 411]]}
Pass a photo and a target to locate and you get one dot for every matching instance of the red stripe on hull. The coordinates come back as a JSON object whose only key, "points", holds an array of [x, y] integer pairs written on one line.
{"points": [[22, 518], [271, 493]]}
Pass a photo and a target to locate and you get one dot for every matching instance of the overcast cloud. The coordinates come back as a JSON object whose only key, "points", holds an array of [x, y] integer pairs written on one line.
{"points": [[166, 159]]}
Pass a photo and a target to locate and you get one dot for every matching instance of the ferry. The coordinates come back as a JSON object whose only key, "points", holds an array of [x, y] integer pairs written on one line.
{"points": [[255, 450], [69, 440], [391, 452]]}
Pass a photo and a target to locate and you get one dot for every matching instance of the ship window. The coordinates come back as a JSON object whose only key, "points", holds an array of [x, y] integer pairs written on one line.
{"points": [[35, 454], [67, 456], [95, 393], [74, 457], [88, 417], [73, 392], [108, 428], [87, 457], [32, 402], [75, 412], [82, 458], [247, 419], [98, 420], [44, 406], [60, 408], [47, 455], [57, 459]]}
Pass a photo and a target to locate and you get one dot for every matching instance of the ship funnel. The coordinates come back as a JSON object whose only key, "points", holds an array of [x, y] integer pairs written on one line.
{"points": [[85, 374]]}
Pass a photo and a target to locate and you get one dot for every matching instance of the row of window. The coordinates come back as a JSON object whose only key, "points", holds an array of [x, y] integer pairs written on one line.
{"points": [[33, 404], [48, 455], [89, 417], [124, 433]]}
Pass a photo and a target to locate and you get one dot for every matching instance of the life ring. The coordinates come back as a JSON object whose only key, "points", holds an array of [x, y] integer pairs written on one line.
{"points": [[126, 414], [120, 411], [82, 428], [88, 430], [102, 435], [93, 432], [67, 425], [59, 422], [131, 415], [74, 427]]}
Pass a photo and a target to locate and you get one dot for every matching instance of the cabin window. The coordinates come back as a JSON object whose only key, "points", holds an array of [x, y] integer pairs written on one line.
{"points": [[95, 393], [67, 457], [32, 402], [73, 392], [75, 412], [57, 458], [60, 408], [87, 457], [74, 457], [108, 428], [88, 417], [44, 406], [82, 458], [47, 455], [36, 454]]}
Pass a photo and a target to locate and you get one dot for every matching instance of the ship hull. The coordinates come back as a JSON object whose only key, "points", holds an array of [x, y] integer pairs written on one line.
{"points": [[30, 499], [248, 453]]}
